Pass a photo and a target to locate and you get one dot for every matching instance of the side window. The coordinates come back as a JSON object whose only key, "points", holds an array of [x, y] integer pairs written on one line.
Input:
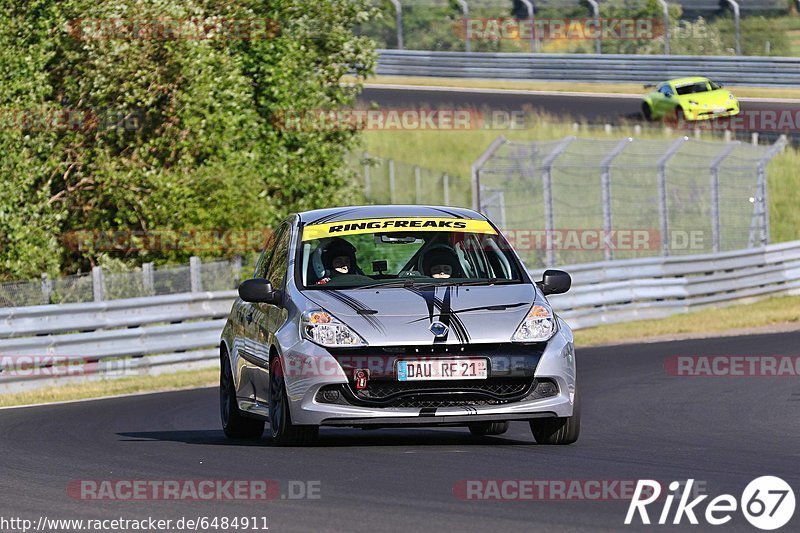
{"points": [[266, 255], [276, 270]]}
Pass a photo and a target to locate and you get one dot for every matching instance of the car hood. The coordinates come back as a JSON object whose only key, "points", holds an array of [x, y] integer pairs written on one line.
{"points": [[710, 98], [403, 316]]}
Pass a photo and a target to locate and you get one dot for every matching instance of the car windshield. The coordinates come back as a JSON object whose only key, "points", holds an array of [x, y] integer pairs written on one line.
{"points": [[404, 252], [699, 87]]}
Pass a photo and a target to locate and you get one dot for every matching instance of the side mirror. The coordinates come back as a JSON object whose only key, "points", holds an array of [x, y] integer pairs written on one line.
{"points": [[258, 290], [555, 282]]}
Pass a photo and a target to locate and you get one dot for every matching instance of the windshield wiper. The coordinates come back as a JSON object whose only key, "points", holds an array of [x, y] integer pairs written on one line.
{"points": [[405, 283]]}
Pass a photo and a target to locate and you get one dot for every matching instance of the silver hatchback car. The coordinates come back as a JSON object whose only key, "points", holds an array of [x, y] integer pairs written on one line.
{"points": [[391, 315]]}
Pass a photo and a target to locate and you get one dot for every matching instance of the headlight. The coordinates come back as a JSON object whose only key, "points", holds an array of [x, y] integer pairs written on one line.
{"points": [[538, 326], [692, 102], [325, 329]]}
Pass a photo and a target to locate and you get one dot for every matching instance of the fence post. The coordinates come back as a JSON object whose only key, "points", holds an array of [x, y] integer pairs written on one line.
{"points": [[398, 21], [761, 204], [367, 185], [148, 279], [529, 7], [417, 186], [391, 182], [237, 270], [665, 8], [715, 218], [98, 284], [596, 10], [662, 193], [476, 169], [465, 11], [47, 289], [737, 20], [446, 187], [195, 281], [547, 189], [605, 184]]}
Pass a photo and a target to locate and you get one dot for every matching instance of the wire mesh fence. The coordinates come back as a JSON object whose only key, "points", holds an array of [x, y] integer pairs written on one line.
{"points": [[138, 282], [386, 181], [581, 200]]}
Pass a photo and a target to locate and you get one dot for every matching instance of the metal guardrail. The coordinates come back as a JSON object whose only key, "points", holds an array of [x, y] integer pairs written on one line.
{"points": [[47, 344], [742, 70], [173, 332], [635, 289]]}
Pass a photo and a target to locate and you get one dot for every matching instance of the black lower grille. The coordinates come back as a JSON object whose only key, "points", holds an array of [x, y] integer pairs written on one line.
{"points": [[499, 388], [439, 394]]}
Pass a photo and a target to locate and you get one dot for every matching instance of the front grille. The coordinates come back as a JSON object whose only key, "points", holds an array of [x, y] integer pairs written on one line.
{"points": [[381, 390], [439, 394]]}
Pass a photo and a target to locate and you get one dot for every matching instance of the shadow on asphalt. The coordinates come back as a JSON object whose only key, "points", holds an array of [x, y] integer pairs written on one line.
{"points": [[331, 438]]}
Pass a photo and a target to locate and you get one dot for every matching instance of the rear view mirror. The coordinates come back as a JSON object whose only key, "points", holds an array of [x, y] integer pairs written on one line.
{"points": [[555, 282], [258, 290]]}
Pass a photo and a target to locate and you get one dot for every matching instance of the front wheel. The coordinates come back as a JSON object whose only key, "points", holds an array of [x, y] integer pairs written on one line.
{"points": [[647, 111], [234, 423], [284, 433], [563, 430]]}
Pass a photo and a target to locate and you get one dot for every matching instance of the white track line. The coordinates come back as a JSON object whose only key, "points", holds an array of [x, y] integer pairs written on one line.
{"points": [[477, 90]]}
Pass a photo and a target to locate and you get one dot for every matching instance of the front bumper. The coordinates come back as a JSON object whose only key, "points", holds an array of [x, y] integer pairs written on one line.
{"points": [[554, 363], [710, 113]]}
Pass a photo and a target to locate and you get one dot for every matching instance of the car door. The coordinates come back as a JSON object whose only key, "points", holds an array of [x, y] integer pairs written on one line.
{"points": [[249, 354], [267, 318]]}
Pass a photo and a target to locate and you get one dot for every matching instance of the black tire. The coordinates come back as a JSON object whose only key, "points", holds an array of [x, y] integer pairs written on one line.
{"points": [[284, 433], [677, 119], [234, 423], [481, 429], [647, 111], [564, 430]]}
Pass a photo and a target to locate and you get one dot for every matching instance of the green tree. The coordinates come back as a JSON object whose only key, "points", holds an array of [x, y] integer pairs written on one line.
{"points": [[167, 130]]}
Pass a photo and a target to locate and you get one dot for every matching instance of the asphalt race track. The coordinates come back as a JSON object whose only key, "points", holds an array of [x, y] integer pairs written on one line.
{"points": [[638, 422], [597, 109]]}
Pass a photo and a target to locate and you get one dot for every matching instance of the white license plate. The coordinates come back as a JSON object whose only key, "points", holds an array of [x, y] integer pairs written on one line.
{"points": [[442, 369]]}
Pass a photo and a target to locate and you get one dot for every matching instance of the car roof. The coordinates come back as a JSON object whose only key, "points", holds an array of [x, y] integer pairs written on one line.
{"points": [[337, 214], [677, 82]]}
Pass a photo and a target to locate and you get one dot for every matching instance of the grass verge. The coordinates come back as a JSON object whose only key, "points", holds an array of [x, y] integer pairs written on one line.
{"points": [[111, 387], [556, 86], [781, 310]]}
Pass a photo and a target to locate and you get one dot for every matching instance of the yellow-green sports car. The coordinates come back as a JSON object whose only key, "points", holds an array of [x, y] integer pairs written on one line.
{"points": [[689, 99]]}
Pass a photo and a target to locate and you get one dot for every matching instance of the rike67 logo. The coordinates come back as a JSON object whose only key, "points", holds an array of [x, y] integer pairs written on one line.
{"points": [[767, 502]]}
